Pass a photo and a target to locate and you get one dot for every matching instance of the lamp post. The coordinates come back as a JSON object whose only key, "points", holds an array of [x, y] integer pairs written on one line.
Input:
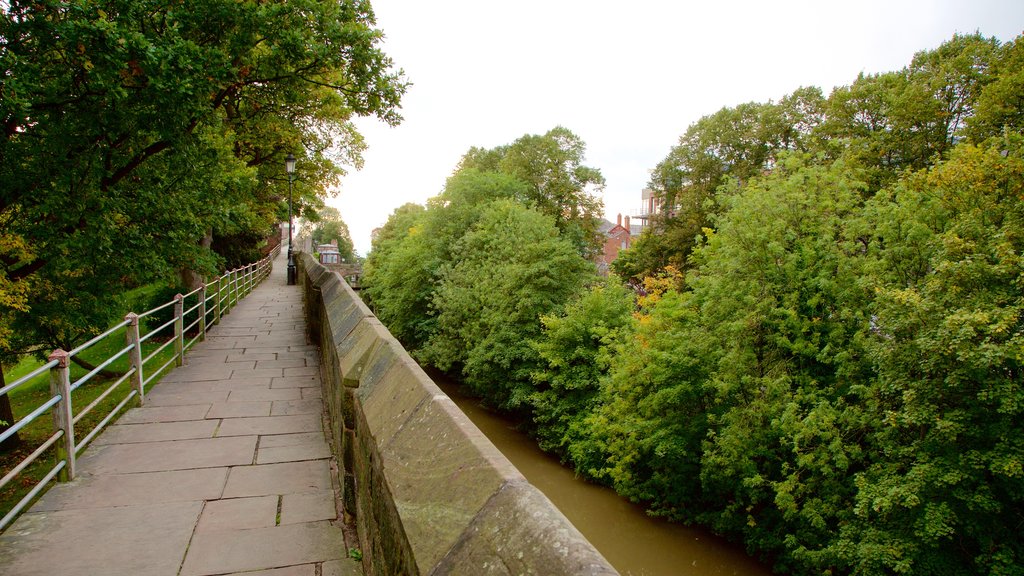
{"points": [[289, 167]]}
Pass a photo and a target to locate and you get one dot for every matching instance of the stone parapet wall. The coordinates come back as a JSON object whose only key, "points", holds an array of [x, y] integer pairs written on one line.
{"points": [[430, 493]]}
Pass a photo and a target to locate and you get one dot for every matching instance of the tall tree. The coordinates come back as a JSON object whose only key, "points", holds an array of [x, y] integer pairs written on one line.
{"points": [[513, 268], [559, 184], [132, 130]]}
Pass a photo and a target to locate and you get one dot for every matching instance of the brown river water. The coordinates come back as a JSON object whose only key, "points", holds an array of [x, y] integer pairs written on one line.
{"points": [[632, 541]]}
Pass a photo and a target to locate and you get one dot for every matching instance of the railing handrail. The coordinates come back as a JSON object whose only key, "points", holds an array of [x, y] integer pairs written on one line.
{"points": [[242, 280]]}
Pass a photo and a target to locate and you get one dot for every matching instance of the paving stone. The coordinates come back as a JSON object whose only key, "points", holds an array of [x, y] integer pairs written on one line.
{"points": [[240, 383], [281, 440], [245, 356], [282, 363], [287, 478], [165, 414], [269, 425], [300, 570], [307, 381], [129, 541], [214, 343], [259, 373], [239, 409], [208, 355], [347, 567], [261, 394], [239, 514], [293, 453], [185, 399], [157, 432], [290, 407], [145, 488], [200, 371], [176, 455], [303, 371], [311, 392], [296, 508], [218, 552]]}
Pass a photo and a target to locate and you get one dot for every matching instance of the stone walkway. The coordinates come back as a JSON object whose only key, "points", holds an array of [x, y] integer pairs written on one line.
{"points": [[225, 470]]}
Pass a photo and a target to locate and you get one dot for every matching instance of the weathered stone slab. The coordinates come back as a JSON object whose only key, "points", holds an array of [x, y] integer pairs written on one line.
{"points": [[342, 568], [259, 373], [269, 425], [354, 351], [292, 407], [200, 371], [277, 341], [164, 414], [239, 409], [311, 392], [157, 432], [218, 552], [245, 356], [176, 455], [158, 398], [293, 453], [306, 381], [239, 383], [302, 371], [282, 440], [241, 380], [441, 470], [239, 514], [518, 531], [287, 478], [389, 402], [295, 362], [264, 394], [309, 507], [146, 488], [147, 541], [300, 570]]}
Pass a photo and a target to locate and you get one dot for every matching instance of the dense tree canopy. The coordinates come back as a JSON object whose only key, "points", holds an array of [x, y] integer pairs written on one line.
{"points": [[134, 130], [823, 356]]}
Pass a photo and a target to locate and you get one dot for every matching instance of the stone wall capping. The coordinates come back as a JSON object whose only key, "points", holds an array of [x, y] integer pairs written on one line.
{"points": [[431, 495]]}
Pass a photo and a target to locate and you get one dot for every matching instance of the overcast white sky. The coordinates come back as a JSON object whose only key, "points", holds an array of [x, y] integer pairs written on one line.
{"points": [[627, 77]]}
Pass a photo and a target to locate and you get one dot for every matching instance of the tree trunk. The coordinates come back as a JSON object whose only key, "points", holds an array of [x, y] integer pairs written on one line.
{"points": [[190, 279], [7, 418], [90, 367]]}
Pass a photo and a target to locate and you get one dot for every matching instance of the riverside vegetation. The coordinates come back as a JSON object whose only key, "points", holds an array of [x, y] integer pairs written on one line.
{"points": [[816, 349]]}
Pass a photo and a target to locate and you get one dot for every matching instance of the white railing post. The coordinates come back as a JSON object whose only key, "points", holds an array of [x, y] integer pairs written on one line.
{"points": [[132, 335], [202, 312], [179, 330], [60, 385], [216, 300]]}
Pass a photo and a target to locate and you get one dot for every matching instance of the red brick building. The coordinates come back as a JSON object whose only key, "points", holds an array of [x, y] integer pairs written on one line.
{"points": [[617, 237]]}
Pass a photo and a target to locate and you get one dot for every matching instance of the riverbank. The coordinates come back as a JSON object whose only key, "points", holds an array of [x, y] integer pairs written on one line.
{"points": [[635, 543]]}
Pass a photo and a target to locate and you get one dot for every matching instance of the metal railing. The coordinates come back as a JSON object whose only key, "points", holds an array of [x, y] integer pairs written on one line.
{"points": [[211, 302]]}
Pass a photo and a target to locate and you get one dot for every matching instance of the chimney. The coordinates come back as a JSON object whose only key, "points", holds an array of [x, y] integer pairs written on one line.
{"points": [[618, 221], [626, 225]]}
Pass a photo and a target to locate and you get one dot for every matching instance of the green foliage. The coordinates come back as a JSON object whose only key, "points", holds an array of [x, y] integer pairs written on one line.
{"points": [[330, 227], [574, 354], [133, 133], [512, 269], [948, 493], [557, 182], [838, 380], [402, 271]]}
